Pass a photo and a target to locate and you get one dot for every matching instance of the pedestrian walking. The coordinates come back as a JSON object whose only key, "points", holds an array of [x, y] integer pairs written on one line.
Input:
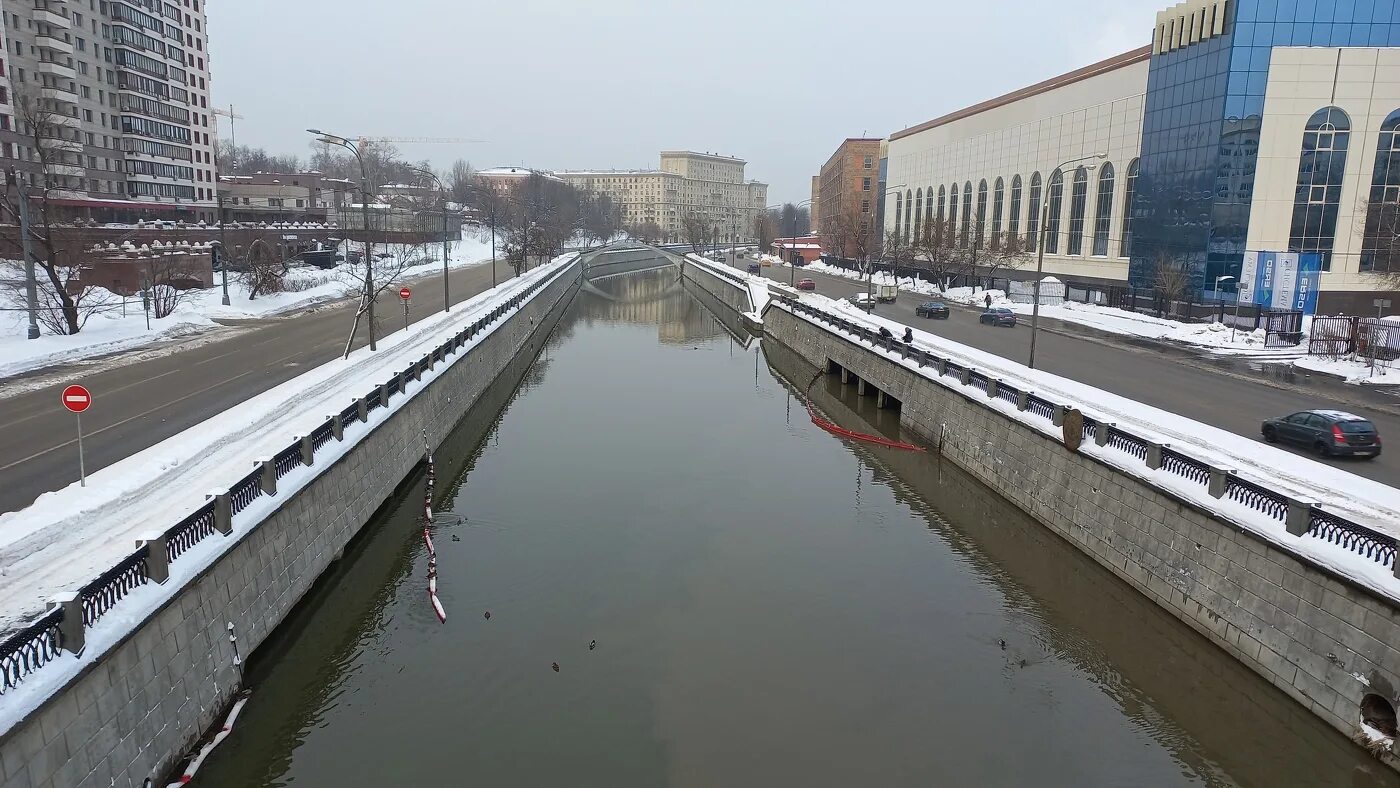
{"points": [[989, 300]]}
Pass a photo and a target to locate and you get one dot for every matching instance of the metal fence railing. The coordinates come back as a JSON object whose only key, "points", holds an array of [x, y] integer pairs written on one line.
{"points": [[1301, 518], [38, 643]]}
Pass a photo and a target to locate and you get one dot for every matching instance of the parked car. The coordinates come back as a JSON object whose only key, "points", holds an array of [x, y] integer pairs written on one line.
{"points": [[754, 268], [767, 261], [932, 309], [863, 300], [1326, 432], [806, 284], [998, 316], [886, 294]]}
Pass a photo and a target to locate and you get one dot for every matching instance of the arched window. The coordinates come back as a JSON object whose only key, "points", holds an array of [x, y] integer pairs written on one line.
{"points": [[928, 209], [918, 213], [942, 195], [1103, 210], [980, 231], [998, 199], [1321, 163], [1126, 242], [1054, 199], [1380, 244], [964, 231], [952, 212], [1033, 215], [908, 211], [1078, 197], [1013, 224], [898, 211]]}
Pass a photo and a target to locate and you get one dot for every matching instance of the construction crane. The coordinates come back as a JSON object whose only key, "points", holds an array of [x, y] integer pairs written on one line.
{"points": [[232, 116], [419, 140]]}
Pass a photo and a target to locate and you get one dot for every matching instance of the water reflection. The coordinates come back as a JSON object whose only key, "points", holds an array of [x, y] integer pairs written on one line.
{"points": [[734, 597]]}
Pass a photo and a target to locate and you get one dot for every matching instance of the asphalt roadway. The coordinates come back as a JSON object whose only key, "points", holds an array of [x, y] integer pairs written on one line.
{"points": [[1229, 394], [144, 396]]}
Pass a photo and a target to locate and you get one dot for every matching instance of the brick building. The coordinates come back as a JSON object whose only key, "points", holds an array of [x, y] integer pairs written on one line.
{"points": [[849, 185]]}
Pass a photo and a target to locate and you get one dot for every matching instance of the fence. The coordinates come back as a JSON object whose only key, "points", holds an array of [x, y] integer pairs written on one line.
{"points": [[1300, 518], [29, 649], [1364, 338]]}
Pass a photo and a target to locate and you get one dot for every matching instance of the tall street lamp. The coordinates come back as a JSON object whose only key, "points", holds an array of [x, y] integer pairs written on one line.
{"points": [[446, 300], [331, 139], [869, 267], [223, 249], [1040, 246]]}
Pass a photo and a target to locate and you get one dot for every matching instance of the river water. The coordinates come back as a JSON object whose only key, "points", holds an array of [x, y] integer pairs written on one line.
{"points": [[734, 597]]}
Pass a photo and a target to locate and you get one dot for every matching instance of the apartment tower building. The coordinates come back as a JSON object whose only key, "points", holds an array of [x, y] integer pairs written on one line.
{"points": [[120, 90]]}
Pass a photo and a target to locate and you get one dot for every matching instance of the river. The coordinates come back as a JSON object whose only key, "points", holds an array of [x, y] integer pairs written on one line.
{"points": [[734, 597]]}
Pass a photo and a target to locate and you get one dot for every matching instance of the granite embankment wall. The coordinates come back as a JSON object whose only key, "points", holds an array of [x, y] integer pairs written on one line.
{"points": [[719, 282], [1325, 641], [134, 713]]}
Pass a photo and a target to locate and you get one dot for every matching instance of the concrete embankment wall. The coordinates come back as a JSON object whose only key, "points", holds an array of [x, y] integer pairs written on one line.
{"points": [[612, 262], [133, 714], [1324, 641], [731, 293]]}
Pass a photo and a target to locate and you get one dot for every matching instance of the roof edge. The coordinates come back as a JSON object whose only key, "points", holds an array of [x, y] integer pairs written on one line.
{"points": [[1069, 78]]}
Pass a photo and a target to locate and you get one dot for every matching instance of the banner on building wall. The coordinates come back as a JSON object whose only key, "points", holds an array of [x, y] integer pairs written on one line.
{"points": [[1280, 280]]}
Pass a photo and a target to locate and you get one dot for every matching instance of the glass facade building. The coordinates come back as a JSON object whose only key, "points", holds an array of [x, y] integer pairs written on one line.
{"points": [[1201, 132]]}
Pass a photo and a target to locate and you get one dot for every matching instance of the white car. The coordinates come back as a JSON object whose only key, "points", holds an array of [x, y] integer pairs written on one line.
{"points": [[863, 300]]}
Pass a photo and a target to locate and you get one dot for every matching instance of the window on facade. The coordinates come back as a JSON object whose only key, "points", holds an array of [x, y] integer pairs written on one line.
{"points": [[1316, 201], [898, 212], [964, 232], [865, 184], [1013, 224], [1033, 214], [998, 198], [979, 232], [953, 212], [869, 162], [1130, 184], [918, 213], [1380, 243], [1103, 210], [1054, 197], [865, 206], [1079, 195], [942, 195]]}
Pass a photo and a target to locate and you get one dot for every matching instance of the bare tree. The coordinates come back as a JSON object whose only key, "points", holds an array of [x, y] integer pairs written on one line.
{"points": [[936, 250], [461, 182], [897, 250], [54, 140], [265, 272], [1006, 252], [766, 228], [695, 229], [169, 281], [601, 219], [648, 232], [1172, 278]]}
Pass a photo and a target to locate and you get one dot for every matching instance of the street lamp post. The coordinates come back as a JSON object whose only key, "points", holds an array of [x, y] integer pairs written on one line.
{"points": [[446, 300], [223, 250], [1218, 299], [331, 139], [31, 282], [869, 267], [1040, 248]]}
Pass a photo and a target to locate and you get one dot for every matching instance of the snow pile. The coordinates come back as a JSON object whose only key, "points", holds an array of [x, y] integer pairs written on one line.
{"points": [[69, 536], [1214, 337], [121, 325], [1358, 371], [1361, 500], [756, 285]]}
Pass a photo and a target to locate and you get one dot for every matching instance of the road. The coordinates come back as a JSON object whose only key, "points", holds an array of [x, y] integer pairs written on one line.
{"points": [[1225, 394], [138, 402]]}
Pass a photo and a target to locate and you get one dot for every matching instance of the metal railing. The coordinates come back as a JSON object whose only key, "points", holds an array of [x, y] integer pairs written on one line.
{"points": [[1329, 527], [40, 642]]}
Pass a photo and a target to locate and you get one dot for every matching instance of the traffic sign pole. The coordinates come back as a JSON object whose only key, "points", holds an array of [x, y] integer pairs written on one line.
{"points": [[82, 469], [405, 294], [78, 399]]}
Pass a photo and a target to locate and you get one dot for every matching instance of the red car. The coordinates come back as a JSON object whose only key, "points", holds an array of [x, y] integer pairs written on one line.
{"points": [[806, 284]]}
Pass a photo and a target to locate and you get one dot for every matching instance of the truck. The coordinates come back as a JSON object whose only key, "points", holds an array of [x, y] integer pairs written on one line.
{"points": [[885, 294]]}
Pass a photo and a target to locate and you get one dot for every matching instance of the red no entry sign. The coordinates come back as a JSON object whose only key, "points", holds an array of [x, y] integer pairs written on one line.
{"points": [[405, 293], [77, 399]]}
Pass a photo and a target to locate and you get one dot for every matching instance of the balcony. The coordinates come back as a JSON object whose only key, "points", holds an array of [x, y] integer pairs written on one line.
{"points": [[55, 19], [55, 69], [61, 95], [53, 44]]}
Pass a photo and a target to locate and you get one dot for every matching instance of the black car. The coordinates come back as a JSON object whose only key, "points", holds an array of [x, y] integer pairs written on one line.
{"points": [[1326, 432], [998, 316], [933, 309]]}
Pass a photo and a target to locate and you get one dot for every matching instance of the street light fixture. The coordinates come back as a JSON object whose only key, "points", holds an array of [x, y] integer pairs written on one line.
{"points": [[446, 300], [1040, 247], [369, 296]]}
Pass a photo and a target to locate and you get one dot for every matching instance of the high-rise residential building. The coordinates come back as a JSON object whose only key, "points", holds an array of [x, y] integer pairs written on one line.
{"points": [[706, 184], [123, 85], [1236, 134], [848, 190]]}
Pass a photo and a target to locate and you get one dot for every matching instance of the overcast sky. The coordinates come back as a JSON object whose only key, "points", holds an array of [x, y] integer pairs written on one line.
{"points": [[568, 84]]}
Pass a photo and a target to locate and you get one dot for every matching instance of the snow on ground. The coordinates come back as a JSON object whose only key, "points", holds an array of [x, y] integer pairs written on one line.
{"points": [[757, 285], [122, 326], [69, 536], [1355, 371], [1364, 501], [1213, 337]]}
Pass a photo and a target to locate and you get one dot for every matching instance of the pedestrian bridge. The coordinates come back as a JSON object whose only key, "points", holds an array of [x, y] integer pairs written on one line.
{"points": [[625, 259]]}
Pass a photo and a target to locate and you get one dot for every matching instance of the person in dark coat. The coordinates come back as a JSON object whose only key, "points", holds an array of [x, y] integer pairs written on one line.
{"points": [[908, 336], [885, 333], [989, 300]]}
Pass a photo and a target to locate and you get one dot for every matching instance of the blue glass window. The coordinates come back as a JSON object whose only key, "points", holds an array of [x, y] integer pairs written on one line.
{"points": [[1079, 195], [1014, 220], [1130, 185], [1103, 210], [1053, 199], [1318, 197], [1033, 215], [1380, 243]]}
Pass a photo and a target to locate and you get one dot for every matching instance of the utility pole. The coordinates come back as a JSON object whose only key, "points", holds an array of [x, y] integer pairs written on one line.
{"points": [[223, 249], [31, 283]]}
